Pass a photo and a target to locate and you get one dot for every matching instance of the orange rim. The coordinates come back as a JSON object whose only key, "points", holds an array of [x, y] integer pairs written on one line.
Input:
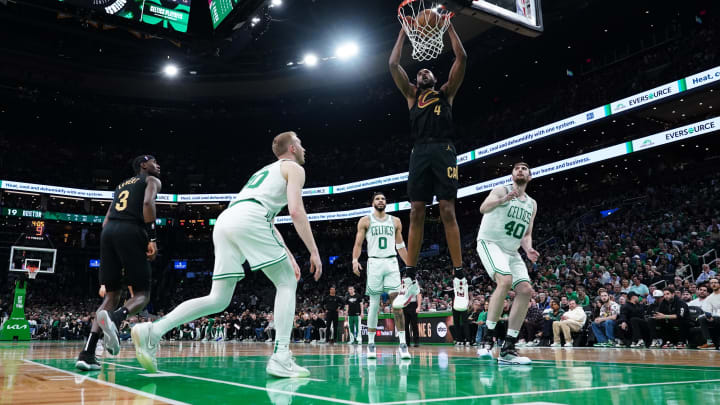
{"points": [[449, 14]]}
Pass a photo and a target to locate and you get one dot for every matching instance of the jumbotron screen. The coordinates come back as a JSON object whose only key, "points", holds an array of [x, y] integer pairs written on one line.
{"points": [[170, 14], [219, 9]]}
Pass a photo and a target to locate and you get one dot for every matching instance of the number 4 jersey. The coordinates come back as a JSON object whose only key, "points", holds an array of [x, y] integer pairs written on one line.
{"points": [[268, 187], [507, 223]]}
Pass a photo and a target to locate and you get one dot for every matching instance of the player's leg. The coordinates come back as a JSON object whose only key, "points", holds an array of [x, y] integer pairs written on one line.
{"points": [[392, 284], [110, 276], [445, 185], [420, 192], [281, 363], [497, 265], [227, 272], [523, 293], [372, 323]]}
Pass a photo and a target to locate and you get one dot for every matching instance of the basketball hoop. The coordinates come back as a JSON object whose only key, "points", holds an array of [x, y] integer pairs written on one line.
{"points": [[425, 35], [32, 272]]}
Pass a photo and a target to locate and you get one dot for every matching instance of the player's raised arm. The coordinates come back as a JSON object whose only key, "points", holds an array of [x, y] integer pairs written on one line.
{"points": [[497, 196], [295, 183], [399, 241], [152, 188], [457, 71], [398, 73], [526, 242], [362, 227]]}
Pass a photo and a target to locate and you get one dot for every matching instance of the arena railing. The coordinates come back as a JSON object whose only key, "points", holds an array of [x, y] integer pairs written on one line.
{"points": [[626, 104]]}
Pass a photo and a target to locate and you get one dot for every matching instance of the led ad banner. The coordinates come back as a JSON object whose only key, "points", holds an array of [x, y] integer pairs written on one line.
{"points": [[62, 216], [170, 14], [433, 327], [691, 82]]}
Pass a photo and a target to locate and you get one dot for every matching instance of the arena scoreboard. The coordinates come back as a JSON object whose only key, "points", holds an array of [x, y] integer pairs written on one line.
{"points": [[220, 9], [170, 14]]}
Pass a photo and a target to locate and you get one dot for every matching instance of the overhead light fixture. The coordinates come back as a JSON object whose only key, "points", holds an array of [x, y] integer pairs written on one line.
{"points": [[347, 50], [310, 59], [276, 3], [170, 70]]}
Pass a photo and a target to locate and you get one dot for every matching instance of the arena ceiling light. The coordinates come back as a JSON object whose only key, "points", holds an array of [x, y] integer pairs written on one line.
{"points": [[346, 50], [276, 3], [170, 70], [310, 59]]}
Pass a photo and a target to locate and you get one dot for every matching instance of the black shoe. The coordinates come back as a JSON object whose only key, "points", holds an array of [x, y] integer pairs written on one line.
{"points": [[508, 346], [87, 362]]}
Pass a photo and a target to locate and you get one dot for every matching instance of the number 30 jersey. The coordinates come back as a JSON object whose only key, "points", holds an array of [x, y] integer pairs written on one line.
{"points": [[268, 187], [128, 200], [507, 223], [380, 237]]}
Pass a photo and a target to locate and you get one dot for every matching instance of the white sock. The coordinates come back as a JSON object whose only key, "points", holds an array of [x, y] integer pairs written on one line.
{"points": [[283, 276], [401, 335], [373, 317], [219, 298], [491, 325], [513, 333]]}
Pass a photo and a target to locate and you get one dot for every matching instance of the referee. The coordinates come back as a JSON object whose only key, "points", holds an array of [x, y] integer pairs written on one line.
{"points": [[332, 304]]}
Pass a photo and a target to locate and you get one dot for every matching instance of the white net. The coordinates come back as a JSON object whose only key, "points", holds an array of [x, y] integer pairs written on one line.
{"points": [[426, 38], [32, 266]]}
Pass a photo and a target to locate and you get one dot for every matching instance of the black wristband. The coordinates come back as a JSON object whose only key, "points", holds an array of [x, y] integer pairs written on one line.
{"points": [[150, 229]]}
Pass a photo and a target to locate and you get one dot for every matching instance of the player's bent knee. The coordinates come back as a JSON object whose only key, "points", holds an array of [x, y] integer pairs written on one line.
{"points": [[524, 288], [504, 282]]}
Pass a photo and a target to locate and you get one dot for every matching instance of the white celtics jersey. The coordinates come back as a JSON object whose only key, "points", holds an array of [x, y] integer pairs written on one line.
{"points": [[268, 187], [506, 224], [380, 237]]}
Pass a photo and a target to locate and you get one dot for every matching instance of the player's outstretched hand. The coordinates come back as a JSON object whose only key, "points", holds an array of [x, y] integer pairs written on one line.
{"points": [[101, 291], [357, 267], [533, 255], [151, 251], [316, 266]]}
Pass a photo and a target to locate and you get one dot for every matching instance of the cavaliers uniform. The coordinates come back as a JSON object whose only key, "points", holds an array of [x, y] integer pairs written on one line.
{"points": [[124, 240], [433, 161]]}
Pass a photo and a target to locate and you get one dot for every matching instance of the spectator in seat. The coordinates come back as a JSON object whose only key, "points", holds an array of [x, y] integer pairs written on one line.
{"points": [[603, 326], [705, 276], [552, 314], [571, 321], [631, 313], [710, 323], [531, 326], [671, 313]]}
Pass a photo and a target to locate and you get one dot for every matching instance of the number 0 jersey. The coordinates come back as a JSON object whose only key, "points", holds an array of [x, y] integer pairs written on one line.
{"points": [[268, 187], [507, 223], [380, 237], [128, 200]]}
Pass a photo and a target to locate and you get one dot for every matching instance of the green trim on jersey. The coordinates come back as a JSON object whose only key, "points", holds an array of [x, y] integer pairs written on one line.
{"points": [[229, 275], [494, 268], [269, 263]]}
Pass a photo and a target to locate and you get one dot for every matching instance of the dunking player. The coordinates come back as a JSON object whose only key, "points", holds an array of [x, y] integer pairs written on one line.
{"points": [[383, 233], [246, 231], [507, 223], [127, 242], [433, 161]]}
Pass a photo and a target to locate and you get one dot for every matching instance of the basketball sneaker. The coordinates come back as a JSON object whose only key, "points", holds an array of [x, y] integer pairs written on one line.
{"points": [[404, 352], [87, 362], [282, 364], [409, 288], [508, 354], [145, 348], [486, 346], [371, 352], [110, 332], [99, 349]]}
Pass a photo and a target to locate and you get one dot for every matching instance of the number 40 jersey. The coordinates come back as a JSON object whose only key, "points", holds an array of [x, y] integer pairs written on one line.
{"points": [[507, 223], [267, 187]]}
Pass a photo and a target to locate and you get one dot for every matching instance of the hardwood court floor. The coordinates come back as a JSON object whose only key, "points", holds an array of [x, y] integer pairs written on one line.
{"points": [[234, 373]]}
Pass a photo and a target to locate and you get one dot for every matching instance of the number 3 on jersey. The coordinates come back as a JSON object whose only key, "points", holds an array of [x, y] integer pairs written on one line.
{"points": [[122, 200], [437, 109], [515, 230]]}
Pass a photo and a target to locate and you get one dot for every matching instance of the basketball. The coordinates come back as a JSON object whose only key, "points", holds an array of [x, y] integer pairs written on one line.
{"points": [[428, 18]]}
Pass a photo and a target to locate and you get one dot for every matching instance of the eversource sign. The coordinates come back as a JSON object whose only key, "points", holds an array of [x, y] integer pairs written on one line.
{"points": [[640, 99]]}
